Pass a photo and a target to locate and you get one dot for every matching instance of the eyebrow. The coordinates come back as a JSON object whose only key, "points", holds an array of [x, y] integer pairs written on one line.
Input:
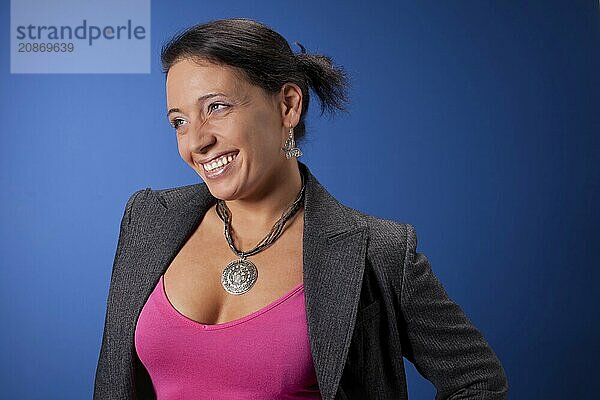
{"points": [[199, 100]]}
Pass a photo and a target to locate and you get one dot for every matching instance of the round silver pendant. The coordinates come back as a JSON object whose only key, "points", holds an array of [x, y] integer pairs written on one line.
{"points": [[239, 276]]}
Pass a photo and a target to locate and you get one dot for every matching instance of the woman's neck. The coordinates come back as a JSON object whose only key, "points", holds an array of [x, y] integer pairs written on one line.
{"points": [[255, 217]]}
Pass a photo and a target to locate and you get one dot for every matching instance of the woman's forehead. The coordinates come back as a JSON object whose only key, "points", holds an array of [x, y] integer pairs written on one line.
{"points": [[187, 81], [188, 74]]}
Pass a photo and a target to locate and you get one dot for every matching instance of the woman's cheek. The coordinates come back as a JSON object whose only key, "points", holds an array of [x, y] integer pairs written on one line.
{"points": [[183, 152]]}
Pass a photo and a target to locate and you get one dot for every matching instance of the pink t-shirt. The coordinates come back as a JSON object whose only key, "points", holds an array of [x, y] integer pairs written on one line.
{"points": [[264, 355]]}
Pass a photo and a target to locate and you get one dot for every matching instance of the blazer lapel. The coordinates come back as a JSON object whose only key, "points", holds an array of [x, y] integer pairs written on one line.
{"points": [[334, 245], [334, 260]]}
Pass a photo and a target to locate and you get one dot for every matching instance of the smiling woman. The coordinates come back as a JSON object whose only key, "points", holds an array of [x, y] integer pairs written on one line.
{"points": [[232, 118], [257, 283]]}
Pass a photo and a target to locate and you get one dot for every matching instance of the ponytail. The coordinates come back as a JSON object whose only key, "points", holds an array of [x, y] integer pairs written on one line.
{"points": [[330, 83]]}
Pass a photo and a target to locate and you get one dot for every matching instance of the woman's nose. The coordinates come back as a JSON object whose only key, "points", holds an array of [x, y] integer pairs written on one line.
{"points": [[200, 137]]}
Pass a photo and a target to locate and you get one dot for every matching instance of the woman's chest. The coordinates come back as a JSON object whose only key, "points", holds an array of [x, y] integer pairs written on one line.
{"points": [[192, 282]]}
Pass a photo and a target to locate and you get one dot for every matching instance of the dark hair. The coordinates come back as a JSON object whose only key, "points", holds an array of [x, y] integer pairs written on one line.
{"points": [[264, 58]]}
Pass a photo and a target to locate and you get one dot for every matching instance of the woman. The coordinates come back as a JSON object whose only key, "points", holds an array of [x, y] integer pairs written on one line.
{"points": [[257, 283]]}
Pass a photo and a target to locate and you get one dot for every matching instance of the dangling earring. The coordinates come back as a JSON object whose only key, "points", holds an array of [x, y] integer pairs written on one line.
{"points": [[290, 148]]}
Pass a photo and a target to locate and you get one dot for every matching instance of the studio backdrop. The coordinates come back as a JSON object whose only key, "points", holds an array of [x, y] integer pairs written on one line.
{"points": [[475, 121]]}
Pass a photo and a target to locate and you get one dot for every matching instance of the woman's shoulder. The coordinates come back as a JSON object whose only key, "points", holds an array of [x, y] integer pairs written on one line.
{"points": [[165, 195], [139, 199], [384, 231]]}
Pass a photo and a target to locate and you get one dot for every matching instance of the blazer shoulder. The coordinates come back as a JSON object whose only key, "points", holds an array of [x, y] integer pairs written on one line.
{"points": [[134, 199], [169, 196], [166, 196], [141, 198], [178, 190], [389, 244], [384, 229]]}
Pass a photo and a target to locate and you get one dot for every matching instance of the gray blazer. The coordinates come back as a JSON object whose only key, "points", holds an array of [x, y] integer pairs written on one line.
{"points": [[371, 299]]}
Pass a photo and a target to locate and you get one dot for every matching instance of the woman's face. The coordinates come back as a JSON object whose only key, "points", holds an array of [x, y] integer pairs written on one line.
{"points": [[216, 112]]}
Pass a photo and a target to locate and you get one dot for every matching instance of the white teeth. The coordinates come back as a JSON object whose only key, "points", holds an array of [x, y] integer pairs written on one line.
{"points": [[218, 163]]}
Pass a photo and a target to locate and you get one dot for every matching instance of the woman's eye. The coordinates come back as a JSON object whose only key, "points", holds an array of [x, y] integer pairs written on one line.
{"points": [[214, 105], [177, 122]]}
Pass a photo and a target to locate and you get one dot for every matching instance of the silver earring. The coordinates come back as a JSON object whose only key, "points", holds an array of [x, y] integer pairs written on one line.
{"points": [[290, 148]]}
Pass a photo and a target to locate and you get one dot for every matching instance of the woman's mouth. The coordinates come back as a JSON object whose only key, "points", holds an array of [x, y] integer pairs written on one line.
{"points": [[218, 167]]}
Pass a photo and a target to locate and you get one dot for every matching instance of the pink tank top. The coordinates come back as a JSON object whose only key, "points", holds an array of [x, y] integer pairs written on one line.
{"points": [[264, 355]]}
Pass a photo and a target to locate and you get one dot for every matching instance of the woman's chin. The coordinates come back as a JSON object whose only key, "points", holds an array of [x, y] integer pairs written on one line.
{"points": [[221, 191], [220, 181]]}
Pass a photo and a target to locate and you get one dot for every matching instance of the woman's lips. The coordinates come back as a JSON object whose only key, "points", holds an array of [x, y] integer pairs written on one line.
{"points": [[219, 172], [217, 156]]}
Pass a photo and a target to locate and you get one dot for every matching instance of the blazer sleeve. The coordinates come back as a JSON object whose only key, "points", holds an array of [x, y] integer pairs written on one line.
{"points": [[440, 340], [107, 385]]}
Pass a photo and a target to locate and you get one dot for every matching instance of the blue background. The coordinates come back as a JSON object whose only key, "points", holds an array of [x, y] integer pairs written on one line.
{"points": [[475, 121]]}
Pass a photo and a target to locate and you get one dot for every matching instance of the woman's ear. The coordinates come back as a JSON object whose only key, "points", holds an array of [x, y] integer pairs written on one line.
{"points": [[291, 104]]}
